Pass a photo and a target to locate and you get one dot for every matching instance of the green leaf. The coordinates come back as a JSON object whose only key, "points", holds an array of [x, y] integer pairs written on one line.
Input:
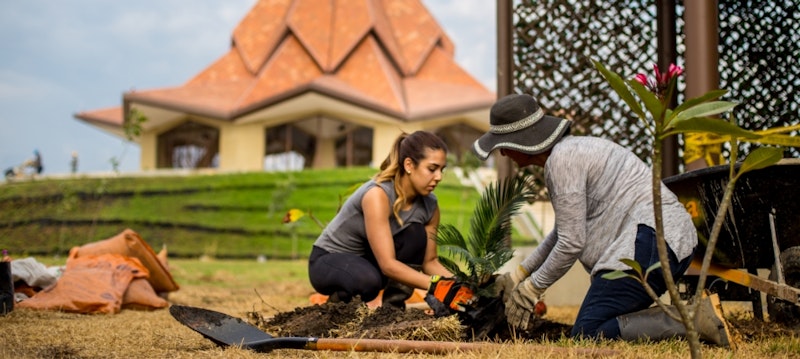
{"points": [[633, 264], [617, 274], [713, 125], [621, 89], [760, 158], [653, 267], [706, 109], [780, 140], [653, 104], [708, 96], [481, 253]]}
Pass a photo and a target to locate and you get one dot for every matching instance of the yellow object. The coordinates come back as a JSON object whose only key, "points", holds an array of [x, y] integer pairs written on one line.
{"points": [[293, 215], [702, 145]]}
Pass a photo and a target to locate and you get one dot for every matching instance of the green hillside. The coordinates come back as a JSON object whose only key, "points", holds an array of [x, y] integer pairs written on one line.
{"points": [[221, 215]]}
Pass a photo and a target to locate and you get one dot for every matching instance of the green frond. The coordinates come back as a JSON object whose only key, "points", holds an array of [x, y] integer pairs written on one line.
{"points": [[456, 253], [454, 268], [491, 222], [448, 234], [487, 247]]}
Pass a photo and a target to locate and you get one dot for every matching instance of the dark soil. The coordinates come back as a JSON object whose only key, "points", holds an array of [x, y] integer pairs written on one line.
{"points": [[333, 320], [749, 329]]}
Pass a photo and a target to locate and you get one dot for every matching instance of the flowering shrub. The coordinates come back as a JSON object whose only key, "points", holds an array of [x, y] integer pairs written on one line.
{"points": [[650, 98]]}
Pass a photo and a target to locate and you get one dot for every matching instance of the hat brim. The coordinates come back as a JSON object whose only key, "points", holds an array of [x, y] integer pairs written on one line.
{"points": [[532, 140]]}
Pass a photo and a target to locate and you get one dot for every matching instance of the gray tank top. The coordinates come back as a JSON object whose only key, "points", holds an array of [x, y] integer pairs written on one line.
{"points": [[346, 233]]}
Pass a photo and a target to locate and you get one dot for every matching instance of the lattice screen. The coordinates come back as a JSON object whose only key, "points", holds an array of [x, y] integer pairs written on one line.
{"points": [[555, 41], [759, 51]]}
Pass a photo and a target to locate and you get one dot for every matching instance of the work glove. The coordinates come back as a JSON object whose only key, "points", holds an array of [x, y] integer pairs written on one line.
{"points": [[505, 283], [524, 305], [447, 294]]}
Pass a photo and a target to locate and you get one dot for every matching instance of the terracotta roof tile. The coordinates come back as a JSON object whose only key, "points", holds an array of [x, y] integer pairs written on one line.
{"points": [[260, 32], [290, 67], [110, 116], [388, 55], [351, 20], [229, 67], [215, 100], [312, 22], [414, 29], [369, 71], [426, 98], [440, 66]]}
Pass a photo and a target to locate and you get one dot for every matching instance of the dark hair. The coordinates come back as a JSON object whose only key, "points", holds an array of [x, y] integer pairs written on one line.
{"points": [[411, 146]]}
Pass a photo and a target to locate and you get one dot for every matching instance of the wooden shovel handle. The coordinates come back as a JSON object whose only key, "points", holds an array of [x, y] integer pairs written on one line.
{"points": [[440, 347], [396, 346]]}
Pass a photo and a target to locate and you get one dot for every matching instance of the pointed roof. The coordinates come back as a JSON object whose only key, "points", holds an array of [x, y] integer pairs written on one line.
{"points": [[389, 56]]}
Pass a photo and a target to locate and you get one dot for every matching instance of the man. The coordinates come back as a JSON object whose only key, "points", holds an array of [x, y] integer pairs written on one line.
{"points": [[602, 198]]}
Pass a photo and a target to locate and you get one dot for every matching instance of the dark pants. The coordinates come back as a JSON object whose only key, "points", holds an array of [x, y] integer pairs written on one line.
{"points": [[349, 275], [607, 299]]}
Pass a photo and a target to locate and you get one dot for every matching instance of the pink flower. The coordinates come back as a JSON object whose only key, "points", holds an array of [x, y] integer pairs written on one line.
{"points": [[660, 81], [641, 78], [674, 71]]}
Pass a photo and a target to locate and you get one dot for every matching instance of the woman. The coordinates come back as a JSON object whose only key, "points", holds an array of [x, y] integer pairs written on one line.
{"points": [[385, 233]]}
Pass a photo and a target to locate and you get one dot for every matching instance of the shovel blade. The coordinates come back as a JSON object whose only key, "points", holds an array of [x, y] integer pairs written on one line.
{"points": [[218, 327]]}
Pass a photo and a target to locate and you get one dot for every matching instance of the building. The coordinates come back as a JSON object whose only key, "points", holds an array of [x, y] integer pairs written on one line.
{"points": [[332, 82]]}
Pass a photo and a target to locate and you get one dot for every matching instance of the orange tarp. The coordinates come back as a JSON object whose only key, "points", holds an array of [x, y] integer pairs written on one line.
{"points": [[107, 276]]}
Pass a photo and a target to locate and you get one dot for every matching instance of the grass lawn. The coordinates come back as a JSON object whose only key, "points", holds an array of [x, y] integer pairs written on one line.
{"points": [[271, 287], [238, 216]]}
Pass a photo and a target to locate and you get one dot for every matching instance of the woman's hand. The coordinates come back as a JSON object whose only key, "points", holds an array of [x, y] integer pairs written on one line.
{"points": [[453, 294]]}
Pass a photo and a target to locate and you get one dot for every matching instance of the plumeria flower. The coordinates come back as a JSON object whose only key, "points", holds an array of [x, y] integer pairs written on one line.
{"points": [[659, 83]]}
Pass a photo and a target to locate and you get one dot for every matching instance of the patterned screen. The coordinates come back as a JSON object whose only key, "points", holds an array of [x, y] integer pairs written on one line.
{"points": [[555, 41]]}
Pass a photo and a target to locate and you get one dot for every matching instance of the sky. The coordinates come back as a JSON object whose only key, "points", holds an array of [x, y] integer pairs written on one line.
{"points": [[58, 58]]}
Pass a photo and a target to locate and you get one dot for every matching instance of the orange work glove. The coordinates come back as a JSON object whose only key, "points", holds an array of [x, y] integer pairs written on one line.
{"points": [[454, 294]]}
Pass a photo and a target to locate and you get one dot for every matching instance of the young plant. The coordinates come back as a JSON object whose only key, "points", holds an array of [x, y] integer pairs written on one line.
{"points": [[649, 98], [487, 247], [132, 126]]}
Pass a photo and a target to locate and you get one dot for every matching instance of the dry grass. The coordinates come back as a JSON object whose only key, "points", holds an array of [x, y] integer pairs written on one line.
{"points": [[135, 334]]}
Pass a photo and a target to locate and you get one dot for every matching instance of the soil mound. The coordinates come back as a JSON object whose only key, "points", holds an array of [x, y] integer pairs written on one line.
{"points": [[356, 320]]}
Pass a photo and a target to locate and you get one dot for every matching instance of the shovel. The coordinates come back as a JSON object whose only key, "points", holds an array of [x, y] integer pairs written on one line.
{"points": [[226, 330]]}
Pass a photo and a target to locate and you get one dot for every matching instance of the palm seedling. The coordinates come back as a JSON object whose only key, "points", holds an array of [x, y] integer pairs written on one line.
{"points": [[474, 259]]}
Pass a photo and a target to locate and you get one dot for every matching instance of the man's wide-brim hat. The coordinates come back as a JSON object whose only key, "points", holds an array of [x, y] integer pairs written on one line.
{"points": [[516, 122]]}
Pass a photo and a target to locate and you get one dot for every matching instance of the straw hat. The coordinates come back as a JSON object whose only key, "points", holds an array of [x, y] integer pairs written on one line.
{"points": [[518, 123]]}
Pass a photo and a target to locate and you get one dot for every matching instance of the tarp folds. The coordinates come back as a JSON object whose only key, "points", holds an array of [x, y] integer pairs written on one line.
{"points": [[129, 243], [107, 276]]}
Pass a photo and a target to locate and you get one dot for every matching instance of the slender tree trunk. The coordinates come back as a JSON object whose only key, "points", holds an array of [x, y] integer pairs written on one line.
{"points": [[692, 336]]}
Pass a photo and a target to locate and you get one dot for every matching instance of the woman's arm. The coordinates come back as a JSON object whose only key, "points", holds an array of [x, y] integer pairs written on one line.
{"points": [[375, 205], [431, 264]]}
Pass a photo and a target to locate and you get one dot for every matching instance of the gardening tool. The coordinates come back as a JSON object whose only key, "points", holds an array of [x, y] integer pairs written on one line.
{"points": [[226, 330]]}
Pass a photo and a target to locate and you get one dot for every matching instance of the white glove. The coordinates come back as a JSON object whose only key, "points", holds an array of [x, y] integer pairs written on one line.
{"points": [[507, 281], [525, 304]]}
